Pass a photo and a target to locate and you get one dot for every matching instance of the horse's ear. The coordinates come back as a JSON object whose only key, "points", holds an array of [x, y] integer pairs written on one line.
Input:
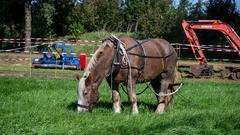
{"points": [[77, 76]]}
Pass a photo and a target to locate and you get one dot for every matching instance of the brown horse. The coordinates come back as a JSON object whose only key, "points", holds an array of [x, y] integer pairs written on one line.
{"points": [[125, 60]]}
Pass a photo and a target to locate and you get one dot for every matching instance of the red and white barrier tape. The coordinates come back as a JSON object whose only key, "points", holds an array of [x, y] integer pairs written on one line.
{"points": [[212, 50], [202, 46], [17, 49], [47, 39], [35, 43], [14, 59], [214, 59], [66, 39]]}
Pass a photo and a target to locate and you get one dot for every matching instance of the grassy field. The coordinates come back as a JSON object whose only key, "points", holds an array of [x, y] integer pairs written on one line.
{"points": [[47, 106]]}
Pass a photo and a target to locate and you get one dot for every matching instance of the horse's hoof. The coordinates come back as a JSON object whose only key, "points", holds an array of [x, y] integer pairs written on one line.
{"points": [[135, 113], [117, 112], [159, 112]]}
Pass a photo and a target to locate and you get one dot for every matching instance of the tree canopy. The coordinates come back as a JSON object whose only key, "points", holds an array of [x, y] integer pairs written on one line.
{"points": [[145, 18]]}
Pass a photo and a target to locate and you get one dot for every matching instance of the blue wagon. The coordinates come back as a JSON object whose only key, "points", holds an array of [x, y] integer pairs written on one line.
{"points": [[58, 56]]}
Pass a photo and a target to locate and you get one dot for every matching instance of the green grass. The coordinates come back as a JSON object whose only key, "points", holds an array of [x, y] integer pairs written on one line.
{"points": [[47, 106], [47, 70], [98, 35]]}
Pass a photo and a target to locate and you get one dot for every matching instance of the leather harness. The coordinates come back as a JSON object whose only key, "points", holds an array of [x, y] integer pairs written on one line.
{"points": [[117, 60]]}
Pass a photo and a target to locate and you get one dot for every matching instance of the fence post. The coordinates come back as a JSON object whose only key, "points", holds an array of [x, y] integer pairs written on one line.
{"points": [[30, 59]]}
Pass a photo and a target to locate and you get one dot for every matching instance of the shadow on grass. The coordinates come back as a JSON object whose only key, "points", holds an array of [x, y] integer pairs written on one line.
{"points": [[72, 106], [108, 105]]}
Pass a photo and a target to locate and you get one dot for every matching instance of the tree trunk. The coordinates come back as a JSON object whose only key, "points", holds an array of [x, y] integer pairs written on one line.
{"points": [[136, 27], [28, 25]]}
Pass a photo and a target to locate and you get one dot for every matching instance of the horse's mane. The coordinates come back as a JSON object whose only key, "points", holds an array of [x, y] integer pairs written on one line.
{"points": [[93, 60]]}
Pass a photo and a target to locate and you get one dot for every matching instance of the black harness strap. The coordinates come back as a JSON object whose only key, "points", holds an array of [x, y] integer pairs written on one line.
{"points": [[116, 60], [142, 53], [152, 57], [83, 106], [130, 48]]}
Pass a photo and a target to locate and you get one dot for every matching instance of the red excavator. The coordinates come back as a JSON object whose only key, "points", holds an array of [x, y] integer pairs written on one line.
{"points": [[203, 69]]}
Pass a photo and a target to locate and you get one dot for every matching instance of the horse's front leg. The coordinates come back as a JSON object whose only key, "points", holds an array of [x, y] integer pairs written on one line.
{"points": [[132, 96], [116, 99]]}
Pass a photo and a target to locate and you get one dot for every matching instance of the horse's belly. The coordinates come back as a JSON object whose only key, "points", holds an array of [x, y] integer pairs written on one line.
{"points": [[153, 69]]}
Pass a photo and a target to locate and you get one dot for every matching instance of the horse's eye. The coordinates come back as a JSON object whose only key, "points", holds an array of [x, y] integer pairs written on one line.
{"points": [[85, 93]]}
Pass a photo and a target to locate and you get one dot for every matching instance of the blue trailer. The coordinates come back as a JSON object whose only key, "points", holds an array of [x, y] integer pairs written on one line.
{"points": [[58, 56]]}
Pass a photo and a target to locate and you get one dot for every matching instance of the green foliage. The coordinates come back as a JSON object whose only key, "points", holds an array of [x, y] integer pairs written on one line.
{"points": [[12, 18], [224, 10], [176, 33], [146, 18], [76, 29], [196, 11], [47, 106], [43, 14]]}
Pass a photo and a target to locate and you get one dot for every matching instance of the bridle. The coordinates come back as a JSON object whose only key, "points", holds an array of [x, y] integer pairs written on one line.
{"points": [[83, 106], [88, 107]]}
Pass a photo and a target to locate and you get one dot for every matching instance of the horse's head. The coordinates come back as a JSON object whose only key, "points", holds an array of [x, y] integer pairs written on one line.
{"points": [[87, 94], [97, 69]]}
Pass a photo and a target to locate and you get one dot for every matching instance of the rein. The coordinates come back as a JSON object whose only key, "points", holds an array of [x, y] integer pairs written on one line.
{"points": [[148, 86], [168, 94], [162, 95]]}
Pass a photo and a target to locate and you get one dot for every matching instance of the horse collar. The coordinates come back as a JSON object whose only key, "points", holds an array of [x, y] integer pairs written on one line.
{"points": [[117, 57]]}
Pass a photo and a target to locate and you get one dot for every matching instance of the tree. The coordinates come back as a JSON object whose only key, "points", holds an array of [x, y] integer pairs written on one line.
{"points": [[12, 18], [43, 14], [28, 24], [176, 33], [197, 11], [156, 19], [224, 10], [62, 9], [95, 15]]}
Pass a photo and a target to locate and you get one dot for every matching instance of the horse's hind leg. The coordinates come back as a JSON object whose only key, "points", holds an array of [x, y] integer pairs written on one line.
{"points": [[162, 87], [163, 100], [159, 86]]}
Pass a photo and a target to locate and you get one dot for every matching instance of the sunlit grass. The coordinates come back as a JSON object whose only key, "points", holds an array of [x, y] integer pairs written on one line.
{"points": [[47, 106]]}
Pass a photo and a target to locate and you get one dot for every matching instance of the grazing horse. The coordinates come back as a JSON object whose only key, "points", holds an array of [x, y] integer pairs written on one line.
{"points": [[125, 60]]}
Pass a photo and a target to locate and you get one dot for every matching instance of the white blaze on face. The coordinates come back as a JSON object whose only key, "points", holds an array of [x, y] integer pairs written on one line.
{"points": [[81, 99]]}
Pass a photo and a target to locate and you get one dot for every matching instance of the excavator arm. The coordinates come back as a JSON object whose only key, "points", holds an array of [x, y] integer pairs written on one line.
{"points": [[227, 30]]}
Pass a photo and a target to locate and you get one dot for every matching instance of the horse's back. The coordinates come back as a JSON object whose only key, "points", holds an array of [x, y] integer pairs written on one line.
{"points": [[159, 57], [161, 46]]}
